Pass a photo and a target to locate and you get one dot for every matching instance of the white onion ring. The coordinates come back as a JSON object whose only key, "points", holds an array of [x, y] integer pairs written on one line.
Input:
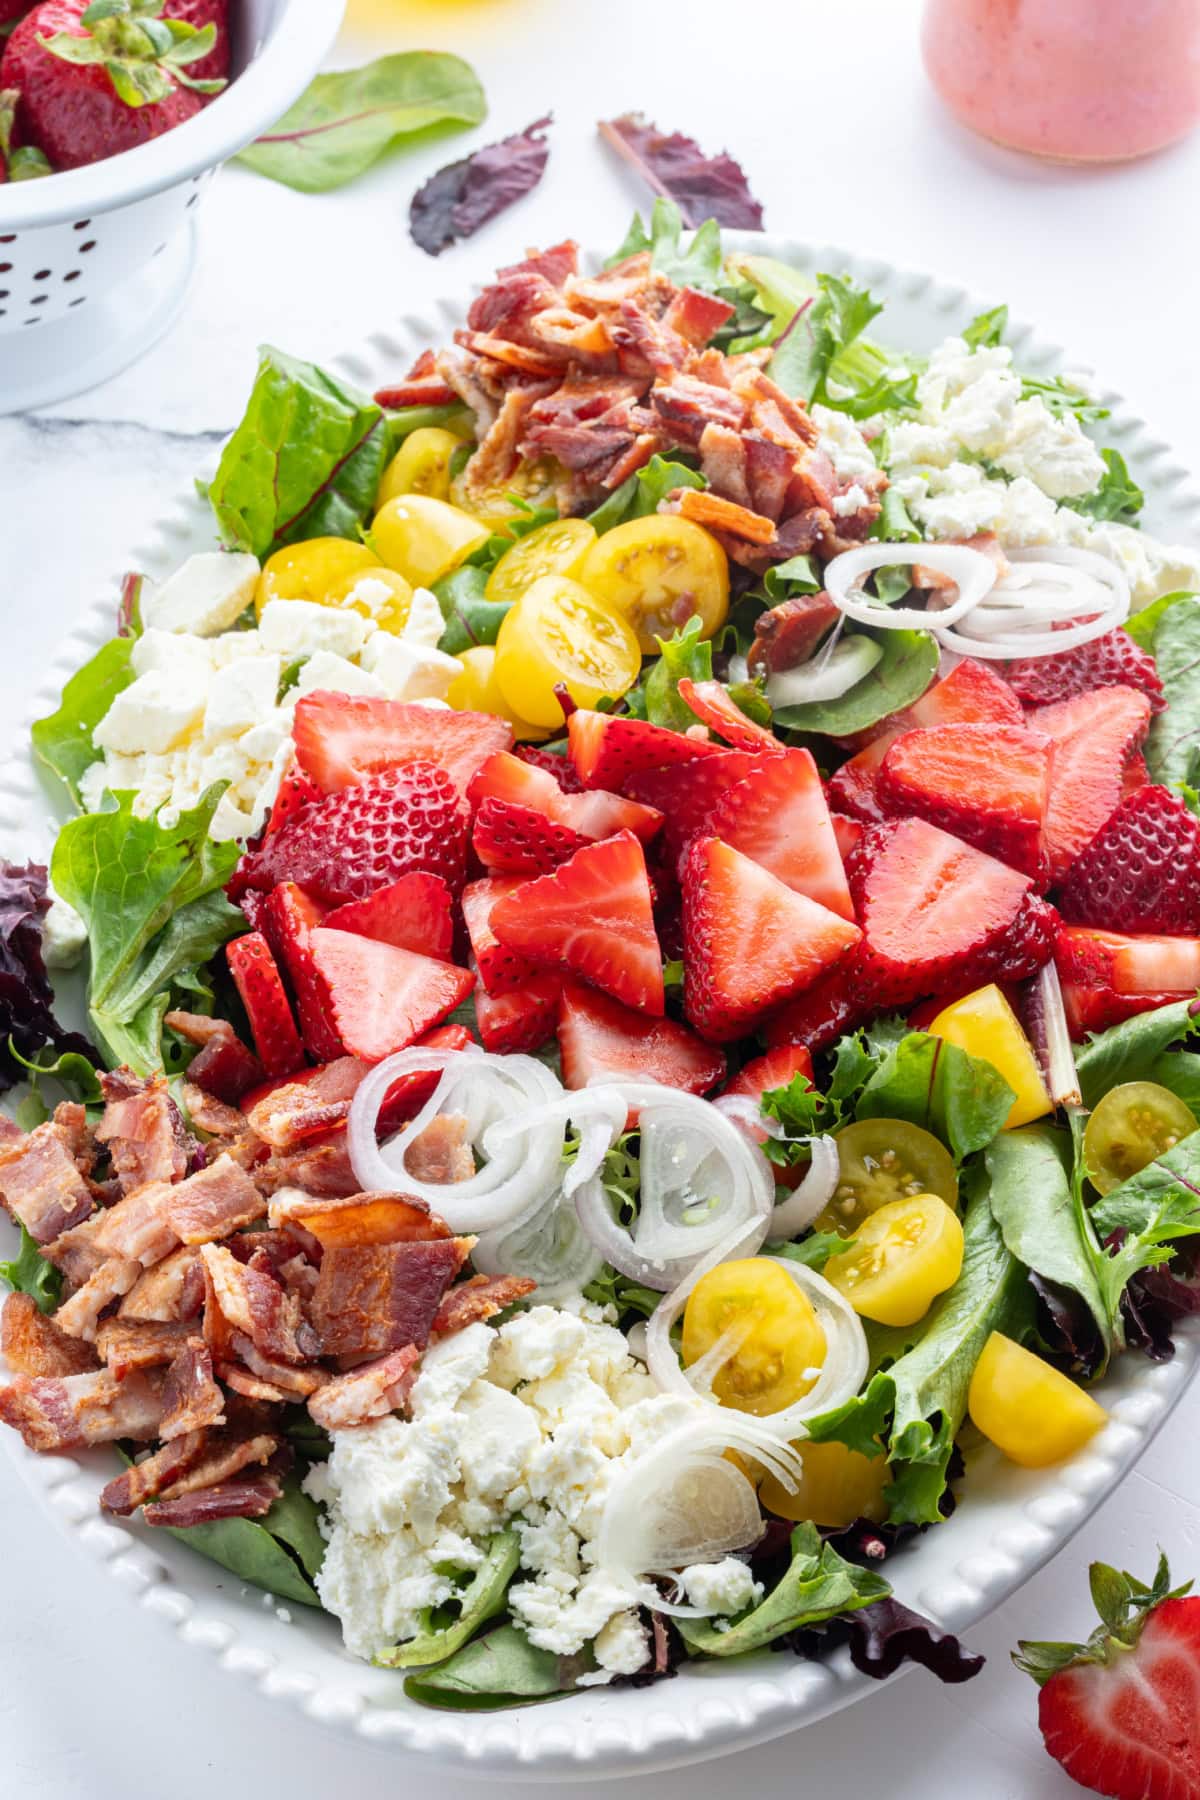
{"points": [[797, 1212], [973, 573], [828, 675], [548, 1246], [1079, 564]]}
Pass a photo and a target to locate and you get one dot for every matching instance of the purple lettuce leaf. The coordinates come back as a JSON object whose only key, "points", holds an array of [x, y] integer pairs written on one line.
{"points": [[888, 1633], [455, 202], [675, 167], [27, 1018], [1156, 1298], [1067, 1328]]}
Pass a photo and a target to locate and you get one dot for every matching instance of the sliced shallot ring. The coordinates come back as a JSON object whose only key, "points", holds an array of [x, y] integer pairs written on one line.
{"points": [[804, 1203], [973, 574], [1106, 573], [548, 1246]]}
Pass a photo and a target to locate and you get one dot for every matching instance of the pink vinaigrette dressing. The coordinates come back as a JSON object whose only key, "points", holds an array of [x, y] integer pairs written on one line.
{"points": [[1080, 80]]}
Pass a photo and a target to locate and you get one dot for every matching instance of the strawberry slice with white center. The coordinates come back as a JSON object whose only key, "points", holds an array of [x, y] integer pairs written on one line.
{"points": [[940, 916], [750, 943], [1141, 872], [687, 794], [522, 1019], [289, 917], [600, 1040], [501, 971], [593, 918], [295, 792], [715, 707], [343, 738], [412, 913], [1121, 1712], [1094, 737], [607, 750], [778, 816], [258, 981], [379, 998], [774, 1070], [1140, 963], [516, 783], [988, 784]]}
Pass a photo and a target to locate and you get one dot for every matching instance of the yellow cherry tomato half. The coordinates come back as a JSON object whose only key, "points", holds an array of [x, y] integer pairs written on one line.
{"points": [[660, 572], [377, 593], [420, 466], [1030, 1411], [530, 484], [423, 539], [311, 571], [558, 631], [985, 1025], [837, 1485], [1135, 1122], [554, 549], [903, 1256], [881, 1160], [477, 690], [774, 1341]]}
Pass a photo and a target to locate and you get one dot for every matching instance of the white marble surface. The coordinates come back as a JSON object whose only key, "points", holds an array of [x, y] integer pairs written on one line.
{"points": [[826, 106]]}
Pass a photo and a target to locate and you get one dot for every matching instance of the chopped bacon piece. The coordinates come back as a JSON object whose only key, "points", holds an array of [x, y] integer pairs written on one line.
{"points": [[686, 406], [191, 1398], [498, 453], [769, 470], [66, 1412], [374, 1298], [32, 1344], [253, 1303], [136, 1229], [126, 1492], [321, 1166], [540, 364], [224, 1066], [368, 1392], [222, 1459], [306, 1105], [79, 1316], [288, 1381], [461, 373], [129, 1344], [172, 1289], [253, 1387], [213, 1202], [813, 482], [789, 633], [723, 462], [636, 457], [581, 337], [442, 1153], [710, 510], [482, 1297], [697, 316], [359, 1218], [645, 342], [776, 413], [40, 1183], [143, 1130], [228, 1123], [247, 1499], [422, 386]]}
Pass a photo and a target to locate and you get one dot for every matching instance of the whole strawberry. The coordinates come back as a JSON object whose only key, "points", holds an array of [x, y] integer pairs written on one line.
{"points": [[1121, 1713], [97, 79]]}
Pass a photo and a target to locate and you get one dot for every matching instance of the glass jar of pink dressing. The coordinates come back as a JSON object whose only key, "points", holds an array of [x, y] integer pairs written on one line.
{"points": [[1080, 80]]}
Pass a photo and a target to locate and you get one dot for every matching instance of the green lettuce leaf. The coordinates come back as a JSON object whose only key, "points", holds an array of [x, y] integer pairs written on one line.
{"points": [[471, 618], [798, 575], [924, 1390], [305, 461], [698, 264], [345, 121], [1118, 496], [961, 1099], [641, 493], [502, 1669], [480, 1600], [681, 654], [817, 336], [818, 1586], [1143, 625], [987, 329], [1156, 1209], [30, 1273], [1041, 1216], [150, 898], [1062, 396], [62, 742], [249, 1549], [1135, 1050], [1171, 747], [908, 665]]}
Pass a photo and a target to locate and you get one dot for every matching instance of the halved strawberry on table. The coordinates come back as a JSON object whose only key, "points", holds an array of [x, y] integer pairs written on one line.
{"points": [[342, 739], [778, 817], [1094, 736], [264, 997], [413, 913], [1141, 872], [600, 1040], [987, 784], [607, 749], [591, 918], [750, 942]]}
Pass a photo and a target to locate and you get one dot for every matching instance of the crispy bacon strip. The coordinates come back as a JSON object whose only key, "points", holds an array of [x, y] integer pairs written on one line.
{"points": [[136, 1229], [224, 1068], [126, 1492], [143, 1129], [79, 1316], [374, 1298], [32, 1344], [292, 1112], [172, 1289], [129, 1344], [191, 1398], [247, 1499], [253, 1303], [213, 1202], [222, 1459], [442, 1153], [359, 1218], [708, 509], [92, 1408], [482, 1297], [369, 1392], [40, 1183]]}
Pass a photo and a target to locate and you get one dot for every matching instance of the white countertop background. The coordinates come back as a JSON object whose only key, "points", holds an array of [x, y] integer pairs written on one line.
{"points": [[824, 103]]}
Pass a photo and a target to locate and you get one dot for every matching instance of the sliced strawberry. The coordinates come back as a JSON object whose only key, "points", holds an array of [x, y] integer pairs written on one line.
{"points": [[687, 794], [592, 918], [854, 788], [779, 818], [1094, 736], [750, 943], [599, 814], [971, 694], [1137, 775], [296, 792], [289, 917], [1113, 660], [510, 778], [251, 905], [405, 819], [1141, 872], [344, 738], [1129, 963], [774, 1070], [517, 783], [847, 833], [602, 1041], [412, 913], [561, 767], [1097, 1008], [380, 998], [606, 751], [521, 1020], [819, 1017], [263, 995], [937, 913], [714, 706], [500, 970], [520, 840], [988, 784]]}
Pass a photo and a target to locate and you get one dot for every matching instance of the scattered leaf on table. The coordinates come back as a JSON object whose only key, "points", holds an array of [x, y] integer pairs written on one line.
{"points": [[455, 202], [674, 166], [343, 122]]}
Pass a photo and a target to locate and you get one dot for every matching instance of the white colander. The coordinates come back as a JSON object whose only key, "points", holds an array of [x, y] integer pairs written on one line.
{"points": [[95, 262]]}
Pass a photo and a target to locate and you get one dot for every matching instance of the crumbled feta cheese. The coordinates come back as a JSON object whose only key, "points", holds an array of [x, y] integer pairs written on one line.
{"points": [[623, 1645], [843, 443], [64, 933], [721, 1587], [207, 595], [177, 655], [325, 669], [153, 713], [409, 670], [1053, 452], [851, 501], [240, 695], [424, 624], [297, 628]]}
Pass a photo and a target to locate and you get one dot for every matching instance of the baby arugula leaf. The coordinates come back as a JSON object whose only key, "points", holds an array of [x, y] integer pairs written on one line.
{"points": [[304, 462], [640, 493], [961, 1099], [62, 742], [987, 329], [345, 121], [818, 1586], [1118, 495], [480, 1600], [502, 1669], [1135, 1050], [30, 1273], [1042, 1218]]}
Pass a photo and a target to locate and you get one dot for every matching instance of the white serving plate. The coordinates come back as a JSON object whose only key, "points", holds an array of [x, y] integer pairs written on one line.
{"points": [[1009, 1521]]}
